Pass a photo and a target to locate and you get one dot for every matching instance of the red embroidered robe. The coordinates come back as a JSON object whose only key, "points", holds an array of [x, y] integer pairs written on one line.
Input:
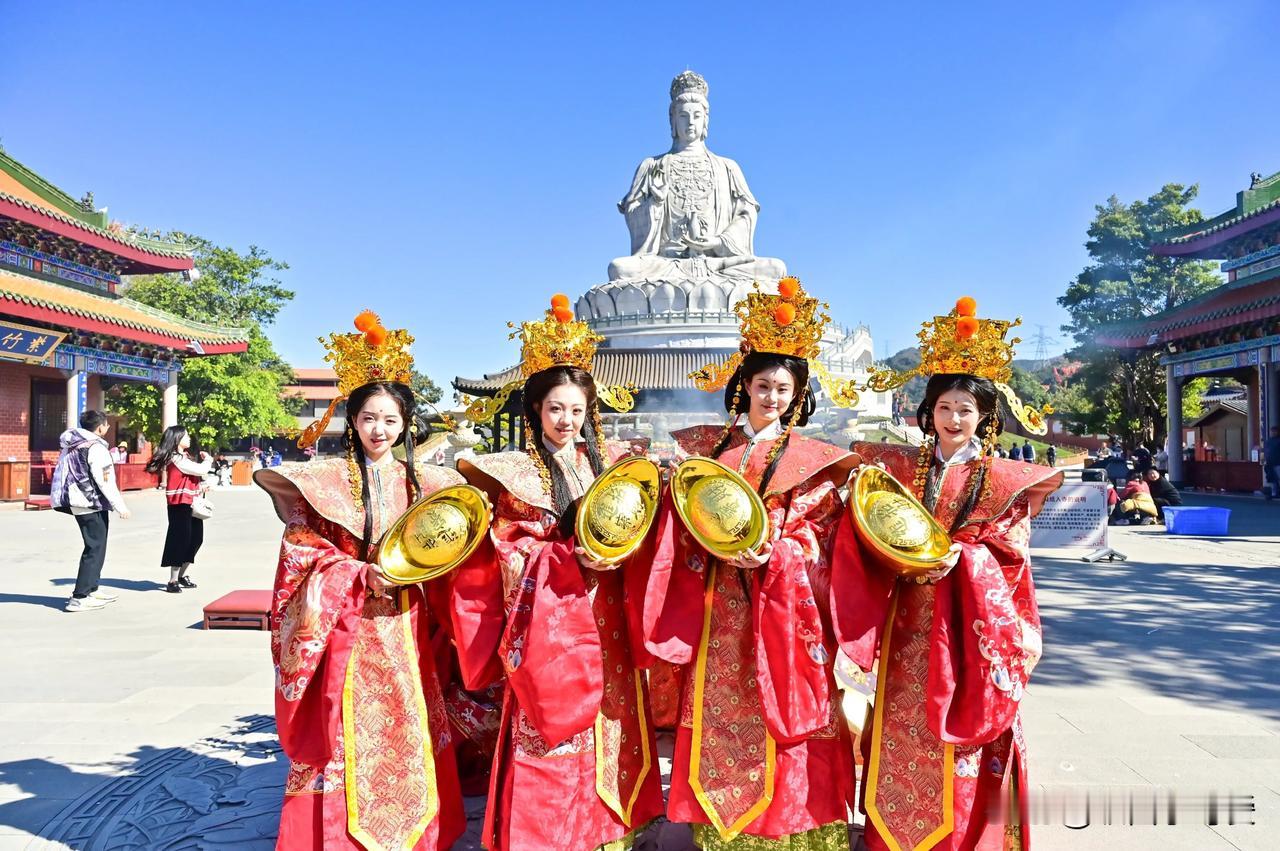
{"points": [[760, 749], [576, 765], [946, 758], [359, 707]]}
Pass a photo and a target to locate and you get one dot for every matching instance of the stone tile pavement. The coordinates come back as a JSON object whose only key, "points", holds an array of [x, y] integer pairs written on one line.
{"points": [[133, 728]]}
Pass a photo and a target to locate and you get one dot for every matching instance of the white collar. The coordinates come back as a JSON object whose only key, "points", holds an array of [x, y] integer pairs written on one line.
{"points": [[968, 452], [563, 452], [769, 432]]}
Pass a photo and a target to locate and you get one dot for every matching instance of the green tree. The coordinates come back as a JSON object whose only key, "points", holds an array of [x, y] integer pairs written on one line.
{"points": [[1028, 387], [913, 391], [1125, 282], [222, 398], [426, 392]]}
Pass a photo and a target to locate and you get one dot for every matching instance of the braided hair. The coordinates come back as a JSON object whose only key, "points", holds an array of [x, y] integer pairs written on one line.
{"points": [[987, 397], [402, 395], [536, 389]]}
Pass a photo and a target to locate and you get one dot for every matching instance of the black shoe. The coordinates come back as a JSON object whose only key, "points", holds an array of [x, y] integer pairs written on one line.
{"points": [[173, 588], [185, 582]]}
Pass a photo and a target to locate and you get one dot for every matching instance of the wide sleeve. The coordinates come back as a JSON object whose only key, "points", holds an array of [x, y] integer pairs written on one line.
{"points": [[986, 635], [549, 645], [665, 585], [319, 590], [792, 651], [861, 591]]}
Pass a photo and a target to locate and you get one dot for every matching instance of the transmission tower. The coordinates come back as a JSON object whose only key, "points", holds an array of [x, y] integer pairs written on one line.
{"points": [[1043, 341]]}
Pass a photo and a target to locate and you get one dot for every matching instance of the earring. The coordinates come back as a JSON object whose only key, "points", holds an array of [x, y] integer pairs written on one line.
{"points": [[923, 461], [532, 449], [353, 467], [989, 451], [599, 429], [734, 413]]}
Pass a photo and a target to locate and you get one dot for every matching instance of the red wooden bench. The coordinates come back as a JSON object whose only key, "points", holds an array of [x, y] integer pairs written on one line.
{"points": [[239, 610], [37, 502]]}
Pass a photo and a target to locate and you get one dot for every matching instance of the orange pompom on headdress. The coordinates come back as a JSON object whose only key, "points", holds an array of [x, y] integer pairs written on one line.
{"points": [[961, 343], [558, 339], [371, 354], [789, 323]]}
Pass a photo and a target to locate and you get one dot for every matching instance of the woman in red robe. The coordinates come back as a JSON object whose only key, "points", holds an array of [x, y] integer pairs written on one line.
{"points": [[576, 767], [945, 753], [358, 703], [762, 758]]}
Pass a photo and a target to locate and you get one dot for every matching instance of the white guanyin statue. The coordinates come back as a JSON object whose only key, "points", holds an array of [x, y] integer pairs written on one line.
{"points": [[690, 212]]}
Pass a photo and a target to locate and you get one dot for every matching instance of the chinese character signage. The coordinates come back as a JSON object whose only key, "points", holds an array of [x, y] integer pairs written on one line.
{"points": [[27, 344], [128, 367]]}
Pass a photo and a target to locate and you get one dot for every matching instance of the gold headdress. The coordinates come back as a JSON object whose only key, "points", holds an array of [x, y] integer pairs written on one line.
{"points": [[789, 323], [557, 339], [960, 342], [371, 354]]}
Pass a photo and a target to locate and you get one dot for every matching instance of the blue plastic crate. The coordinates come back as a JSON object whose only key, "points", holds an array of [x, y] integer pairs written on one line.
{"points": [[1196, 520]]}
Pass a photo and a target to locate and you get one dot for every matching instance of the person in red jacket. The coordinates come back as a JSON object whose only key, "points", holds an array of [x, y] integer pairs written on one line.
{"points": [[183, 482]]}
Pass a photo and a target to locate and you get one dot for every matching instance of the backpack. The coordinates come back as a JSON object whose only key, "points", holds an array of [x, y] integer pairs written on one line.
{"points": [[72, 470]]}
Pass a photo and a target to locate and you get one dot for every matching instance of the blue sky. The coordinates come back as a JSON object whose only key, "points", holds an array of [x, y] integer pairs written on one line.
{"points": [[452, 166]]}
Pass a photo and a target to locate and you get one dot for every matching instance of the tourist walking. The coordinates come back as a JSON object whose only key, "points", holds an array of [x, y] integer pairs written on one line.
{"points": [[184, 482], [359, 706], [1028, 452], [84, 486], [946, 756], [1051, 456]]}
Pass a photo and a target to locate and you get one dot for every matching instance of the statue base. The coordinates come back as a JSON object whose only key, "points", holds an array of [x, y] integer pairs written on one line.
{"points": [[690, 309]]}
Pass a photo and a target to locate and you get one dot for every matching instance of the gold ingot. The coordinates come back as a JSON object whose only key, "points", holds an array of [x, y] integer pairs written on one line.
{"points": [[719, 508], [892, 522], [617, 510], [893, 519], [435, 535]]}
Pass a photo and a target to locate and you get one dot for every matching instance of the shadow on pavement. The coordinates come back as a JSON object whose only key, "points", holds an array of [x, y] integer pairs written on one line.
{"points": [[1207, 631], [219, 793], [31, 600], [108, 582]]}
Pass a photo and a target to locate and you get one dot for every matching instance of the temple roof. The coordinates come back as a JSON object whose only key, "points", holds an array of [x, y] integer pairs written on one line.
{"points": [[55, 304], [1256, 207], [1220, 308], [647, 369], [1221, 407], [27, 197]]}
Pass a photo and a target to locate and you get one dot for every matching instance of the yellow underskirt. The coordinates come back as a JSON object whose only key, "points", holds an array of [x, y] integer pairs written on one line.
{"points": [[829, 837], [625, 843]]}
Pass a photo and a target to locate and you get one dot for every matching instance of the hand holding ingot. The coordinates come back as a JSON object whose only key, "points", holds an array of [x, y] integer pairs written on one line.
{"points": [[751, 559], [375, 581], [590, 562], [948, 564]]}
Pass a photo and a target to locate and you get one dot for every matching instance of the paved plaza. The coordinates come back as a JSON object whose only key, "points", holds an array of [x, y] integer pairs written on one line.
{"points": [[132, 727]]}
